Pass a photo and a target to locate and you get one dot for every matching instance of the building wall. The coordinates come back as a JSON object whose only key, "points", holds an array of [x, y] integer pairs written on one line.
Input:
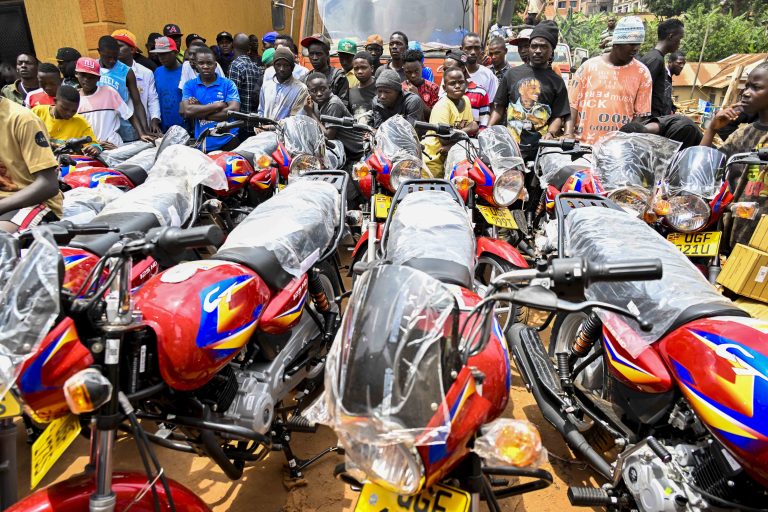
{"points": [[628, 6], [53, 24]]}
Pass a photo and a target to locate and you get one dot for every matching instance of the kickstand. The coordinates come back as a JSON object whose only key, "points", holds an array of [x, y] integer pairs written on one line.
{"points": [[296, 465]]}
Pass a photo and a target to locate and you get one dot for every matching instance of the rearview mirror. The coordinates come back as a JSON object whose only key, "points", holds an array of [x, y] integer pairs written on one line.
{"points": [[278, 15]]}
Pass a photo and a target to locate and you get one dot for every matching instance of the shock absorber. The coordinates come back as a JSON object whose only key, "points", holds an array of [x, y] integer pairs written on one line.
{"points": [[317, 292], [588, 334]]}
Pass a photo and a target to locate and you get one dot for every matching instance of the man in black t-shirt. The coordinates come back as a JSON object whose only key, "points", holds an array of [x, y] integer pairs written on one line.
{"points": [[670, 33], [532, 99], [361, 96]]}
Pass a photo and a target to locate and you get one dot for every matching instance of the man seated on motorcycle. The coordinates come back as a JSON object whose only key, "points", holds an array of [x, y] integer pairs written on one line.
{"points": [[63, 122], [29, 185], [391, 100], [752, 185]]}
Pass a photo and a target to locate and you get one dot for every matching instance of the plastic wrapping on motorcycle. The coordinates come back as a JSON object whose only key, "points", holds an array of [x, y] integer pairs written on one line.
{"points": [[303, 135], [499, 150], [430, 225], [556, 168], [169, 189], [82, 204], [387, 369], [624, 159], [9, 255], [138, 165], [265, 143], [396, 138], [456, 155], [506, 441], [695, 170], [603, 235], [120, 154], [296, 225], [29, 304]]}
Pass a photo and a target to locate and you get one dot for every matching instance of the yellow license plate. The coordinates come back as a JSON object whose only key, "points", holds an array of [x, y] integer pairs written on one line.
{"points": [[51, 444], [382, 204], [697, 244], [500, 217], [9, 406], [439, 497]]}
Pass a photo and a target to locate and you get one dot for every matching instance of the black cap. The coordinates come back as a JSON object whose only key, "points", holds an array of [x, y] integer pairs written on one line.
{"points": [[152, 36], [192, 37], [548, 30], [457, 55], [172, 29], [224, 35], [67, 54]]}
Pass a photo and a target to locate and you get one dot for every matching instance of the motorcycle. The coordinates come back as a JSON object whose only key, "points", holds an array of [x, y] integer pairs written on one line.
{"points": [[412, 387], [663, 401]]}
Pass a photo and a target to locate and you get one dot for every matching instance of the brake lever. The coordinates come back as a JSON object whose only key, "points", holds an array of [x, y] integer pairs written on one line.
{"points": [[576, 307]]}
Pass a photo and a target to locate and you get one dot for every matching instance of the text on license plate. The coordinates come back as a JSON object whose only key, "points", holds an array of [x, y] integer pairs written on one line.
{"points": [[382, 204], [697, 244], [438, 498], [51, 444], [500, 217], [9, 406]]}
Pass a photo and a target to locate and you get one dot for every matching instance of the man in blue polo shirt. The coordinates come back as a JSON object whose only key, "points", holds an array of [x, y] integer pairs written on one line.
{"points": [[208, 98]]}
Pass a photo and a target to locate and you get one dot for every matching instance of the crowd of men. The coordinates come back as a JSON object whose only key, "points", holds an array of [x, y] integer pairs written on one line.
{"points": [[131, 92]]}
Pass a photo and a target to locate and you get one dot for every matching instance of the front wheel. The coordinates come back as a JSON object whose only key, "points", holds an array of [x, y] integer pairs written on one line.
{"points": [[488, 267]]}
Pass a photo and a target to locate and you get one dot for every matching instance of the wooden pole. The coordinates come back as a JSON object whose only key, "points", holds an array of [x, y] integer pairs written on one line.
{"points": [[733, 86], [701, 58]]}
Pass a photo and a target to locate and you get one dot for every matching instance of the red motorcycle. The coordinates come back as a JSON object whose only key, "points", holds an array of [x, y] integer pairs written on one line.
{"points": [[413, 390]]}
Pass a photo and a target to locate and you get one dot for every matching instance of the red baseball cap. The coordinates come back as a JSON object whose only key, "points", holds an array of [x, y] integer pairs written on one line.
{"points": [[164, 45], [88, 65], [125, 36]]}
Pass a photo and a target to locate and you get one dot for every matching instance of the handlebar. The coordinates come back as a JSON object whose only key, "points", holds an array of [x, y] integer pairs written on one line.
{"points": [[759, 157], [348, 123], [176, 239], [439, 129], [64, 231], [578, 271], [252, 118], [71, 144], [226, 126]]}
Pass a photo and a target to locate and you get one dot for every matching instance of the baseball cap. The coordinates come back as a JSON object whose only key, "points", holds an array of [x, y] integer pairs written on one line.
{"points": [[269, 37], [224, 35], [283, 53], [67, 54], [315, 38], [524, 35], [457, 55], [172, 30], [125, 36], [192, 37], [374, 39], [88, 65], [347, 46], [151, 38], [164, 45]]}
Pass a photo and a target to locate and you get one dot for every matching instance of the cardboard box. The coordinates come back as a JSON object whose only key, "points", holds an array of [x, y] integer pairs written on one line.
{"points": [[746, 273], [759, 238], [754, 308]]}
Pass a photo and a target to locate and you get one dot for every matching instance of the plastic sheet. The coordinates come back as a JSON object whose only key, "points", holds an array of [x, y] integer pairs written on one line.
{"points": [[695, 170], [9, 255], [431, 224], [303, 135], [632, 159], [265, 143], [112, 157], [175, 135], [604, 235], [169, 190], [82, 204], [144, 160], [553, 164], [29, 304], [458, 153], [499, 150], [396, 139], [385, 372], [297, 225], [507, 442]]}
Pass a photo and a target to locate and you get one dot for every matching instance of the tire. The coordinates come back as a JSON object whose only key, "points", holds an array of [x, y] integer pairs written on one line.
{"points": [[564, 332], [331, 285], [489, 266]]}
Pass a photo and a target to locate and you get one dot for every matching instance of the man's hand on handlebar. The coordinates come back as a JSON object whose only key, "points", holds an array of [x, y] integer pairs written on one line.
{"points": [[91, 150]]}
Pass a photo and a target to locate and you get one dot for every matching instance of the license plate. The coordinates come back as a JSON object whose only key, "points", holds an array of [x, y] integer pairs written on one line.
{"points": [[382, 204], [9, 406], [500, 217], [439, 497], [697, 244], [51, 444]]}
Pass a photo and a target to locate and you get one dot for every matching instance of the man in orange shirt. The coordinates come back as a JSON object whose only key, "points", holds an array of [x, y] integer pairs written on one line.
{"points": [[612, 89]]}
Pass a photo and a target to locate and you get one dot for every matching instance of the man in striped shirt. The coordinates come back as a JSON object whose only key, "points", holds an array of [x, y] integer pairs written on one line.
{"points": [[478, 96], [247, 77]]}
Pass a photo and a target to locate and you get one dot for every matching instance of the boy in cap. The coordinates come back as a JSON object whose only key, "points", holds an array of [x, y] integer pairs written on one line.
{"points": [[224, 51], [167, 78], [66, 58], [319, 49], [150, 45], [347, 49], [392, 100], [375, 46], [174, 32], [612, 89], [101, 105], [532, 99], [282, 95], [523, 43], [145, 78], [285, 41]]}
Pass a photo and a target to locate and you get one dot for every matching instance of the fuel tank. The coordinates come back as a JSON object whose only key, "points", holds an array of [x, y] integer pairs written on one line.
{"points": [[91, 177], [237, 168]]}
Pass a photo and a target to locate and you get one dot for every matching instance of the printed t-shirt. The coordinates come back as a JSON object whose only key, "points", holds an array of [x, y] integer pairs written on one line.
{"points": [[361, 103], [116, 77], [428, 91], [444, 112], [187, 73], [61, 130], [485, 78], [38, 97], [222, 89], [103, 110], [167, 84]]}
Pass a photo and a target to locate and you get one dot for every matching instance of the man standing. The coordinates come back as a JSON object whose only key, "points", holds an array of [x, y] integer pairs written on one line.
{"points": [[670, 34], [167, 78], [675, 64], [497, 51], [253, 49], [375, 46], [174, 32], [145, 79], [612, 89], [429, 92], [50, 80], [398, 44], [478, 96], [606, 38], [319, 48], [347, 49], [223, 50], [66, 58], [391, 100], [361, 96], [150, 45], [532, 98], [26, 69], [282, 95], [269, 39], [299, 71], [208, 99], [247, 77], [481, 75], [523, 43]]}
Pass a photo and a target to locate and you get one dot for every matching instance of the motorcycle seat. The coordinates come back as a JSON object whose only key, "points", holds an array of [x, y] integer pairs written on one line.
{"points": [[705, 310], [125, 222], [262, 261], [560, 177], [135, 173], [448, 272]]}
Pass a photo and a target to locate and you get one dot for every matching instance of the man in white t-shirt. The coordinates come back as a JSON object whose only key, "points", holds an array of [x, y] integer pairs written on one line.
{"points": [[145, 79], [101, 106], [472, 46]]}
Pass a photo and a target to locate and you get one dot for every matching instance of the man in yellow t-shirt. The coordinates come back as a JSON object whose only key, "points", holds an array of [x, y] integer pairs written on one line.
{"points": [[453, 109], [29, 185], [63, 122]]}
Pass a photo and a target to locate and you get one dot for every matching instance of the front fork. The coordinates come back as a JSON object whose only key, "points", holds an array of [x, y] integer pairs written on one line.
{"points": [[372, 223]]}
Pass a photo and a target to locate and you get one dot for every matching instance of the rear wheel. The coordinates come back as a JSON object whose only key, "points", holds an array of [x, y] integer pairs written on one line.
{"points": [[487, 268]]}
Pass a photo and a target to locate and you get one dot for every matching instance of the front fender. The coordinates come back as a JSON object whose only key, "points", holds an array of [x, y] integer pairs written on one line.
{"points": [[72, 495], [500, 249]]}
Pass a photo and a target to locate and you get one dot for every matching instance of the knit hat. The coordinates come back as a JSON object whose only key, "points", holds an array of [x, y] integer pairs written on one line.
{"points": [[548, 30], [629, 30], [268, 56], [347, 46], [90, 66], [389, 79], [283, 53]]}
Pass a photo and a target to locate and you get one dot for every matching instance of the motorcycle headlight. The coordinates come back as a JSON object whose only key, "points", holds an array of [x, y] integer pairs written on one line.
{"points": [[631, 199], [687, 213], [507, 188], [393, 466], [262, 161], [302, 163], [407, 169]]}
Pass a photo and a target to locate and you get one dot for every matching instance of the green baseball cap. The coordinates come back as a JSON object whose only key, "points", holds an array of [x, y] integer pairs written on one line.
{"points": [[347, 46]]}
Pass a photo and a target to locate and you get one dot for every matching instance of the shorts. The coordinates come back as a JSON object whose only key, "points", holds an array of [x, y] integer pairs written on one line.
{"points": [[30, 217]]}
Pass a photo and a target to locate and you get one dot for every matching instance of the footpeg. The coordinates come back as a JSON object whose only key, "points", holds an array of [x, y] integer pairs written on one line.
{"points": [[299, 423], [590, 497]]}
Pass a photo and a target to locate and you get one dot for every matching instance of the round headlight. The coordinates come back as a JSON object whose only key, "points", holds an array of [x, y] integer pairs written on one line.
{"points": [[687, 213], [632, 199], [302, 163], [392, 466], [406, 169], [507, 188]]}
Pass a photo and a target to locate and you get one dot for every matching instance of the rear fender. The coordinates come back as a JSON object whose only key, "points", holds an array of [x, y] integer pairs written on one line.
{"points": [[500, 249]]}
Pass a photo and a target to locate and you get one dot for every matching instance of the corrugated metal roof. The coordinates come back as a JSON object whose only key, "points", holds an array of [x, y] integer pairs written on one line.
{"points": [[718, 75]]}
